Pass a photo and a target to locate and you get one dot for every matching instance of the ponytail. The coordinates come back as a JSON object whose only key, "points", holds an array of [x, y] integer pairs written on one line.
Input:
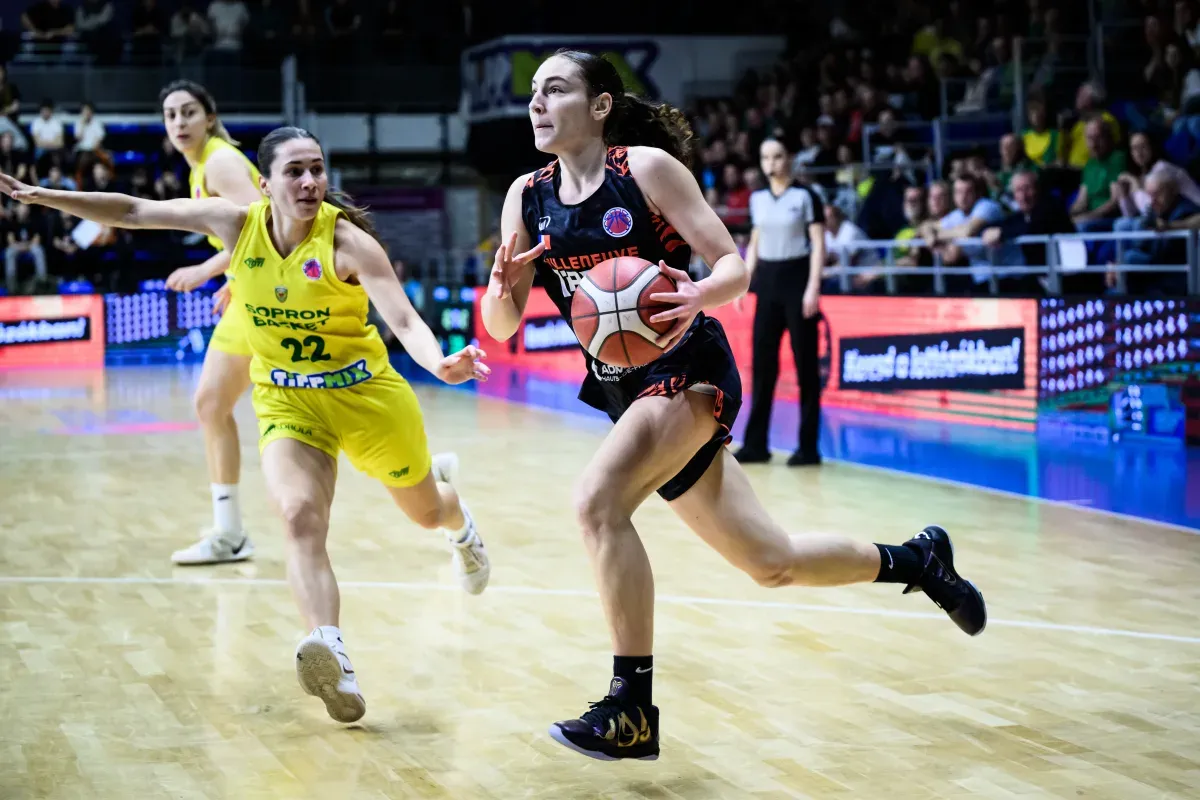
{"points": [[635, 122], [357, 215], [218, 130]]}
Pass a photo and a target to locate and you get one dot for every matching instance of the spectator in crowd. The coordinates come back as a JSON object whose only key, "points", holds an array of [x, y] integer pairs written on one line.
{"points": [[55, 179], [14, 162], [89, 131], [1042, 143], [1168, 211], [916, 213], [48, 135], [1095, 208], [972, 212], [23, 239], [840, 237], [189, 31], [10, 109], [1089, 104], [149, 31], [1034, 216], [48, 21], [96, 26], [1129, 189], [228, 19], [63, 249], [1012, 161]]}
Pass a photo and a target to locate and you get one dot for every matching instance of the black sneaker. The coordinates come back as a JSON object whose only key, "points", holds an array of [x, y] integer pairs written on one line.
{"points": [[752, 455], [955, 595], [615, 728], [802, 459]]}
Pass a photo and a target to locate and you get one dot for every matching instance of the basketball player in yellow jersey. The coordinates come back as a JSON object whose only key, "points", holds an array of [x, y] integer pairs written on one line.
{"points": [[322, 382], [218, 169]]}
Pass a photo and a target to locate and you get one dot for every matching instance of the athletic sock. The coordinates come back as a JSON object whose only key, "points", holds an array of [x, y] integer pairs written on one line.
{"points": [[638, 674], [329, 633], [227, 512], [899, 564]]}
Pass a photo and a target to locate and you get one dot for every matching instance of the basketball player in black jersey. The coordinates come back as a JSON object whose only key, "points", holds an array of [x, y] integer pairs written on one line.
{"points": [[619, 186]]}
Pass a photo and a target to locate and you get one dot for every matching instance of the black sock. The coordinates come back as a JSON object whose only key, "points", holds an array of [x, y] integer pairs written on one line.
{"points": [[899, 564], [638, 674]]}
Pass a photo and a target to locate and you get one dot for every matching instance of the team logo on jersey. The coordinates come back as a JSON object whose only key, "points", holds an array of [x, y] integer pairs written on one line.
{"points": [[544, 223], [312, 269], [617, 222], [281, 293]]}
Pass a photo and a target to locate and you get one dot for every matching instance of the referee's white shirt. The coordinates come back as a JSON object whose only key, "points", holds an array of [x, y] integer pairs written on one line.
{"points": [[783, 221]]}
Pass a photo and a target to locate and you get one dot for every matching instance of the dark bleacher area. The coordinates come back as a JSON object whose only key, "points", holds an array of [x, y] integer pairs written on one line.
{"points": [[135, 158]]}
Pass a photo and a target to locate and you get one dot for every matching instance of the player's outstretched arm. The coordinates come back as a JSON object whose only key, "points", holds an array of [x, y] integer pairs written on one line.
{"points": [[358, 254], [512, 270], [210, 216], [672, 189]]}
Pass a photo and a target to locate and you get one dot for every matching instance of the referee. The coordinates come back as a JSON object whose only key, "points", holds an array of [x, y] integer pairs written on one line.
{"points": [[785, 256]]}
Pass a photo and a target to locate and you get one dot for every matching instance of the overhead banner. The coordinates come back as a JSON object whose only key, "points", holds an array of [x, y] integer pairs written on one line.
{"points": [[497, 74], [51, 331]]}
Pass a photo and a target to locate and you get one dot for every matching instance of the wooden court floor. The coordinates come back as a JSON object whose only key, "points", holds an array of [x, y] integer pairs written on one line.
{"points": [[122, 676]]}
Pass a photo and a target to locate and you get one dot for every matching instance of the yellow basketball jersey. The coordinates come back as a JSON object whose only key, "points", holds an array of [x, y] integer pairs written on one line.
{"points": [[307, 327], [196, 183]]}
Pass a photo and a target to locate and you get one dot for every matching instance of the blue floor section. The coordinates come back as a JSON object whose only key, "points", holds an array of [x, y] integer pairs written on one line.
{"points": [[1159, 482]]}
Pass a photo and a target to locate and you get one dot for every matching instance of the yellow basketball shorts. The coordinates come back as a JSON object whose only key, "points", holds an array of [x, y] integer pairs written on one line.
{"points": [[230, 335], [377, 423]]}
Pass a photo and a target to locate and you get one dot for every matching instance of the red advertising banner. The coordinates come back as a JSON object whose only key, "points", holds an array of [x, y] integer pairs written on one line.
{"points": [[52, 331], [970, 360]]}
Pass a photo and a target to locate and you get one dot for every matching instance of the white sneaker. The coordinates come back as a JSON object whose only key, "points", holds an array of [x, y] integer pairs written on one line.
{"points": [[325, 672], [214, 548], [470, 559]]}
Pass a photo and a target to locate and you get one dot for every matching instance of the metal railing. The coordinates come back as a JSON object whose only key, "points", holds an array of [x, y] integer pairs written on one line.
{"points": [[1053, 271]]}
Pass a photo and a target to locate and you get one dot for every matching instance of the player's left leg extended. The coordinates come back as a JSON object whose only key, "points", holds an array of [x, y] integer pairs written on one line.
{"points": [[722, 509]]}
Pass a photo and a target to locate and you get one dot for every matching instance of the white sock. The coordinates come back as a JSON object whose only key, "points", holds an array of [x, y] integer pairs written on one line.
{"points": [[227, 512], [459, 536], [330, 633]]}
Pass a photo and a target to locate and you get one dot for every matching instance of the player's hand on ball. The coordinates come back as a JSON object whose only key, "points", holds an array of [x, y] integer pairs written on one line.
{"points": [[21, 192], [687, 299], [508, 266], [185, 279], [221, 298], [463, 366]]}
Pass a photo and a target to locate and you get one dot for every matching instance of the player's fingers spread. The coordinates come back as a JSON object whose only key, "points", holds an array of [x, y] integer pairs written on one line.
{"points": [[666, 297], [479, 353]]}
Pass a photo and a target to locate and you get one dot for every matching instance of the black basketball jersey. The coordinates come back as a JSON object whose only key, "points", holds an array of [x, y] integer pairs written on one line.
{"points": [[614, 221]]}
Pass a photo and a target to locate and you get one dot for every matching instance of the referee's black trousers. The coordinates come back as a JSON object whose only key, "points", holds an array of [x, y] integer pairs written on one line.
{"points": [[780, 289]]}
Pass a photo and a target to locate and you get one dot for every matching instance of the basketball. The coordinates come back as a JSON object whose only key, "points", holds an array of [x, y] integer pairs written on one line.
{"points": [[611, 311]]}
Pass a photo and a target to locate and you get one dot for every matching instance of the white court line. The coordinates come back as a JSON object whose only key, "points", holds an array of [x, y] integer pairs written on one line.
{"points": [[541, 592]]}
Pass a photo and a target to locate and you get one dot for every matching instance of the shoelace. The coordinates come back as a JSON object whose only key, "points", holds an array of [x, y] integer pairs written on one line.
{"points": [[599, 712]]}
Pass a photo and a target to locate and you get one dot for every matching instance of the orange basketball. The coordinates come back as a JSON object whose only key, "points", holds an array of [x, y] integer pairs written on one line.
{"points": [[611, 311]]}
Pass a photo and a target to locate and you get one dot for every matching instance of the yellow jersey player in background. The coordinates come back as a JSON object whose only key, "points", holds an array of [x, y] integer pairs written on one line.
{"points": [[218, 169], [304, 265]]}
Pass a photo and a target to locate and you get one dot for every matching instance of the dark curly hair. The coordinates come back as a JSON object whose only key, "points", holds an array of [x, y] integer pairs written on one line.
{"points": [[633, 121]]}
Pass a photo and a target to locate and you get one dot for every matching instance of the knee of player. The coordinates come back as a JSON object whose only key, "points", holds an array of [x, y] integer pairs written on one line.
{"points": [[770, 568], [597, 512], [210, 404], [303, 518]]}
